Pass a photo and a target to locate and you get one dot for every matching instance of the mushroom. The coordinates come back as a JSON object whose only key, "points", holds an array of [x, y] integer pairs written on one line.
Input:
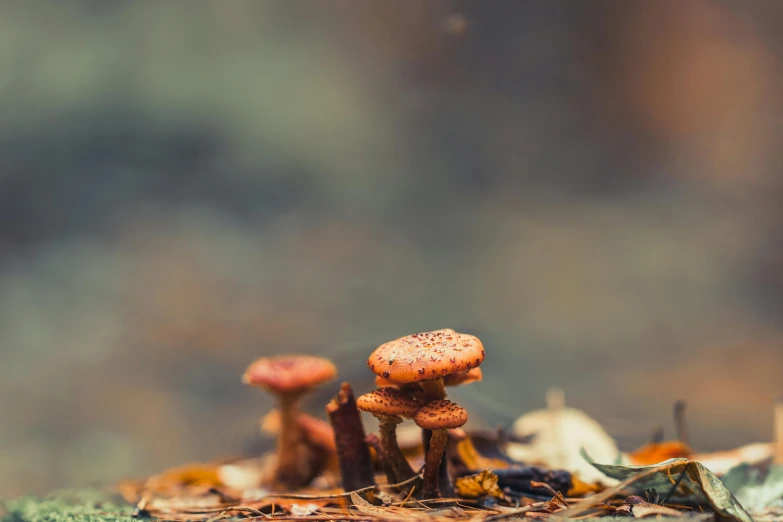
{"points": [[289, 377], [426, 358], [314, 430], [388, 405], [459, 378], [452, 379], [438, 416]]}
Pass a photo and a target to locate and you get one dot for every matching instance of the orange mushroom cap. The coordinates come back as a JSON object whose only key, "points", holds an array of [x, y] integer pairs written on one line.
{"points": [[289, 373], [455, 379], [380, 382], [658, 452], [388, 401], [427, 355], [440, 415], [452, 379]]}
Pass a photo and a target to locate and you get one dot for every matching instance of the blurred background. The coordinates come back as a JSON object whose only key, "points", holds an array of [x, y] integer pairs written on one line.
{"points": [[592, 188]]}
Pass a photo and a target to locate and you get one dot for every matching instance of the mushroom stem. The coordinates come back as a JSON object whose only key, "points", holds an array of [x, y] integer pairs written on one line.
{"points": [[387, 426], [433, 390], [375, 443], [445, 486], [432, 463], [352, 450], [289, 466]]}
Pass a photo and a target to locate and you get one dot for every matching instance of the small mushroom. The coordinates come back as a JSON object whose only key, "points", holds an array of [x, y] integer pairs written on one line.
{"points": [[289, 377], [426, 358], [388, 405], [438, 416]]}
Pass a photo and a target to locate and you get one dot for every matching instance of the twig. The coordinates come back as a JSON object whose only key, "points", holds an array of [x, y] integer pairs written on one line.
{"points": [[674, 487], [352, 449], [514, 512], [293, 496]]}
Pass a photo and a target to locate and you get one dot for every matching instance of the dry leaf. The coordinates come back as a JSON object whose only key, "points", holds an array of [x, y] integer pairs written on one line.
{"points": [[474, 486], [720, 462], [473, 460], [191, 474], [387, 513], [580, 488], [559, 434], [301, 510], [645, 509], [247, 474], [699, 483]]}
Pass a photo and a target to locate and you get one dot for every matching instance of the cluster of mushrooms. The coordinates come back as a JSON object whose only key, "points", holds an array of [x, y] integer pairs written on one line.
{"points": [[411, 374]]}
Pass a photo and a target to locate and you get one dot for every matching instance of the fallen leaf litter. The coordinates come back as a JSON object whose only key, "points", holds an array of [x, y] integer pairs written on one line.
{"points": [[543, 470]]}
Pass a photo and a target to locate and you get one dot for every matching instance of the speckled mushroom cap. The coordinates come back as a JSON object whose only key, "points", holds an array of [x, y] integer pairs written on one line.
{"points": [[380, 382], [388, 401], [440, 415], [427, 355], [452, 379], [289, 373], [455, 379]]}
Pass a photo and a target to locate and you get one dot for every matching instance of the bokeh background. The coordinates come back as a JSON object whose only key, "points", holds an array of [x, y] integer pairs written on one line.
{"points": [[592, 188]]}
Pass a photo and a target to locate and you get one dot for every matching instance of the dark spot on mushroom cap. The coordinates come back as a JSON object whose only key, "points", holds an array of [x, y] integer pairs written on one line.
{"points": [[388, 401], [441, 414]]}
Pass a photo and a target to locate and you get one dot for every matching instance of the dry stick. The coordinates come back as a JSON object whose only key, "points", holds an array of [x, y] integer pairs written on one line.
{"points": [[515, 512], [674, 487], [680, 424], [314, 518], [225, 513], [352, 450], [338, 495], [779, 431], [317, 497]]}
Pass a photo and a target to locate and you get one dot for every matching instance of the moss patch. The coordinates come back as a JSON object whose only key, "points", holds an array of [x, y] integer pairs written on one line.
{"points": [[68, 506]]}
